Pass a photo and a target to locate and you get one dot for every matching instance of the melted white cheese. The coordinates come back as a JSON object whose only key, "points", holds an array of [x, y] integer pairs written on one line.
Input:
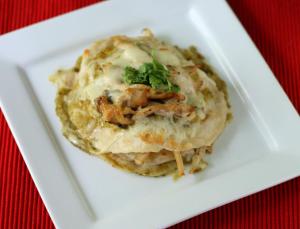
{"points": [[92, 85]]}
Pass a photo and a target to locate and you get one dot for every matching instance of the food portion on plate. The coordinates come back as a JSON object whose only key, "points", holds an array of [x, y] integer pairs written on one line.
{"points": [[142, 104]]}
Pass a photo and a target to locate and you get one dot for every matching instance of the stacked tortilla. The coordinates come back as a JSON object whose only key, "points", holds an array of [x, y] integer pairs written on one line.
{"points": [[137, 127]]}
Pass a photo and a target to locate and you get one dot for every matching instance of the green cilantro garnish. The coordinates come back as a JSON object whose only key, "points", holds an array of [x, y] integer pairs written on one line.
{"points": [[132, 76], [153, 74]]}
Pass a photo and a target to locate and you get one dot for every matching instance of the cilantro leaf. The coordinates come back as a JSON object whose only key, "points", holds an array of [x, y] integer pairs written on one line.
{"points": [[154, 74], [132, 76]]}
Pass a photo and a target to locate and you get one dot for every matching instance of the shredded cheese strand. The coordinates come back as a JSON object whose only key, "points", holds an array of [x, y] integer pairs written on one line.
{"points": [[179, 163]]}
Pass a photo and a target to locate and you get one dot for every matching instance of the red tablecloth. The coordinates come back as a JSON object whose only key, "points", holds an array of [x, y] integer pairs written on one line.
{"points": [[274, 25]]}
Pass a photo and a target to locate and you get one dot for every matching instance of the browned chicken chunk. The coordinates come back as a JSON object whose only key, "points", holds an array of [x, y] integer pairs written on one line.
{"points": [[140, 95], [112, 113], [141, 101]]}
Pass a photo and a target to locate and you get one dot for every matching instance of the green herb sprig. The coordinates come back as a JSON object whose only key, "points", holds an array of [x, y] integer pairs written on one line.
{"points": [[153, 74]]}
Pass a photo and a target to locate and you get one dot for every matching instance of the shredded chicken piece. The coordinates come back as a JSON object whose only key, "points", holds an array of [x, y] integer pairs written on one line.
{"points": [[112, 113], [179, 163], [128, 110], [176, 109], [136, 97], [135, 104], [140, 95], [160, 95], [198, 163], [195, 163]]}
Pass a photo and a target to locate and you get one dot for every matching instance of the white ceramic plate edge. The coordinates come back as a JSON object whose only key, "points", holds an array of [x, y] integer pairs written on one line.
{"points": [[21, 128]]}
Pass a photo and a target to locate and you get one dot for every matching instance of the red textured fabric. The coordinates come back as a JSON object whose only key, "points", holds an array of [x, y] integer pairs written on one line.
{"points": [[274, 25]]}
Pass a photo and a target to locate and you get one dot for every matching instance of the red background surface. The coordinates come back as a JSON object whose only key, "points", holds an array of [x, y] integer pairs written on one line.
{"points": [[274, 25]]}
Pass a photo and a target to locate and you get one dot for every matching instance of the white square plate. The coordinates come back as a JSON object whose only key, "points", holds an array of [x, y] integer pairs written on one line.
{"points": [[260, 148]]}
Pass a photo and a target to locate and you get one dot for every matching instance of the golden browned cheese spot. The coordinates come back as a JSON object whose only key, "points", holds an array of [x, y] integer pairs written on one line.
{"points": [[86, 52], [172, 143], [117, 40], [163, 49], [106, 52], [152, 138]]}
